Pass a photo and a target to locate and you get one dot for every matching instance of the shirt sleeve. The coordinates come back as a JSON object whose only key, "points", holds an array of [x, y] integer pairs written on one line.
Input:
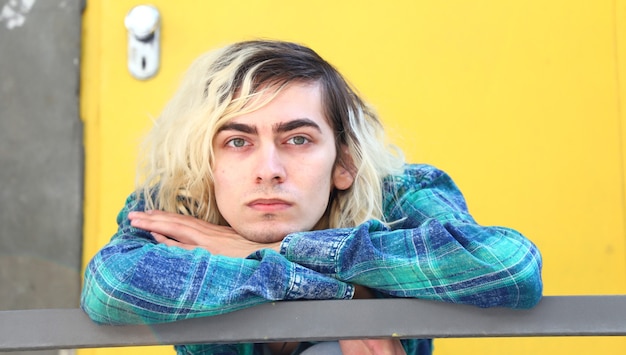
{"points": [[431, 249], [134, 280]]}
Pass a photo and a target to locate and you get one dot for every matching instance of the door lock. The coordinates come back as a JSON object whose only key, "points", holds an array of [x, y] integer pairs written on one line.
{"points": [[143, 24]]}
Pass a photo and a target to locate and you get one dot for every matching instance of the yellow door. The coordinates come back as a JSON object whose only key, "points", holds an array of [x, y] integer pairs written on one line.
{"points": [[521, 102]]}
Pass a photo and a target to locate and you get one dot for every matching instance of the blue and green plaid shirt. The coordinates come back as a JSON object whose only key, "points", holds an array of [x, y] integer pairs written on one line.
{"points": [[434, 250]]}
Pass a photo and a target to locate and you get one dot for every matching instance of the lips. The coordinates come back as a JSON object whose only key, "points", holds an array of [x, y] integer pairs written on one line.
{"points": [[269, 205]]}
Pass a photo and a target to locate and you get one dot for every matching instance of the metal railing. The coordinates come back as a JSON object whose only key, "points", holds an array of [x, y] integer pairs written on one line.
{"points": [[322, 320]]}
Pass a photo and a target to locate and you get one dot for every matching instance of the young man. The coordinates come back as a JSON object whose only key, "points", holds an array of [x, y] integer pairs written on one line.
{"points": [[267, 178]]}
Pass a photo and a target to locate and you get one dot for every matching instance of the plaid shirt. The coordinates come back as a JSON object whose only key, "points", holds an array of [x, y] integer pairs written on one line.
{"points": [[433, 250]]}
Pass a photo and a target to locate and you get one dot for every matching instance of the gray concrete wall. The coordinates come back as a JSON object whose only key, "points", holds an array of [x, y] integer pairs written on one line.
{"points": [[41, 154]]}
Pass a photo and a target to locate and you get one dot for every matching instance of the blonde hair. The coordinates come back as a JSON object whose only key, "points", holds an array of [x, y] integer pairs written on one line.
{"points": [[175, 171]]}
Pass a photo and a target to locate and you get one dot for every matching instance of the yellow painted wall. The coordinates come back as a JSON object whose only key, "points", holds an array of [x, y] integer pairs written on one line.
{"points": [[521, 102]]}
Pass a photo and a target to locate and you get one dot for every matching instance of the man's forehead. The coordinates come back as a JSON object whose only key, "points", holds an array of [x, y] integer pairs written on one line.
{"points": [[299, 103]]}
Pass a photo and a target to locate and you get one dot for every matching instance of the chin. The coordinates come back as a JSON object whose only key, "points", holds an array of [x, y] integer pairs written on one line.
{"points": [[268, 234], [264, 237]]}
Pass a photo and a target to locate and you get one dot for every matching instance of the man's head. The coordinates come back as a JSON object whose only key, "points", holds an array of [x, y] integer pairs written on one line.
{"points": [[251, 88], [274, 168]]}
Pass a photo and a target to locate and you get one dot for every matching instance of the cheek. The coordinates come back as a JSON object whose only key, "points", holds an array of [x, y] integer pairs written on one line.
{"points": [[222, 185], [218, 180], [320, 187], [224, 173]]}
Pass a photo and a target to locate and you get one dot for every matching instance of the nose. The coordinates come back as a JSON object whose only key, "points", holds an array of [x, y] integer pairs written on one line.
{"points": [[270, 167]]}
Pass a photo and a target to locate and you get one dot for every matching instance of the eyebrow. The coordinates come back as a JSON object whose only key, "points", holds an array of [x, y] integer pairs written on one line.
{"points": [[295, 124], [281, 127], [240, 127]]}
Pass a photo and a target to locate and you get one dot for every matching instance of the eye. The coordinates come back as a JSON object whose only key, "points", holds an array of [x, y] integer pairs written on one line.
{"points": [[298, 140], [237, 143]]}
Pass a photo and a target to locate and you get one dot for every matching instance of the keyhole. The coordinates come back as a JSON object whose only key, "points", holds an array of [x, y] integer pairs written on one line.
{"points": [[143, 23]]}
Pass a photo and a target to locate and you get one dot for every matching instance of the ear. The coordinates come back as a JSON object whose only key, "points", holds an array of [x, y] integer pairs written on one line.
{"points": [[342, 178], [342, 174]]}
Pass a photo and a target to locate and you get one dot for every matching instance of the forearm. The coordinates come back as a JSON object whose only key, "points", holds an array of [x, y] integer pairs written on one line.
{"points": [[134, 279], [154, 284], [462, 263]]}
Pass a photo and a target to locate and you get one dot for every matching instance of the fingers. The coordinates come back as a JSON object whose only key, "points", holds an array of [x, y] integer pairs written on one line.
{"points": [[148, 219], [161, 216], [169, 225], [188, 231], [161, 239], [160, 222]]}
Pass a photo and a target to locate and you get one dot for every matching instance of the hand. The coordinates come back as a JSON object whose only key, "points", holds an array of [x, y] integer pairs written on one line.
{"points": [[372, 347], [187, 232]]}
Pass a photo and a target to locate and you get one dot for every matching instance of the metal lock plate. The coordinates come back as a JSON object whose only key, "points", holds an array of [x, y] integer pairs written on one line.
{"points": [[143, 24]]}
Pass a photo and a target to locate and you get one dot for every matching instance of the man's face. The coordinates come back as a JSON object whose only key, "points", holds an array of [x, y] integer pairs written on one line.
{"points": [[274, 168]]}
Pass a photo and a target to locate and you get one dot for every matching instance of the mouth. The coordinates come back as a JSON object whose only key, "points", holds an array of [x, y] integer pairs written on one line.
{"points": [[269, 205]]}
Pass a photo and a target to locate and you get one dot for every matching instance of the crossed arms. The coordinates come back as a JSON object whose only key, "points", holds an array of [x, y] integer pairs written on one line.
{"points": [[435, 250]]}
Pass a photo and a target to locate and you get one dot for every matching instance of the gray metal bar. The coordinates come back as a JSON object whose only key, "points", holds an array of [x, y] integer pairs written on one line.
{"points": [[323, 320]]}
